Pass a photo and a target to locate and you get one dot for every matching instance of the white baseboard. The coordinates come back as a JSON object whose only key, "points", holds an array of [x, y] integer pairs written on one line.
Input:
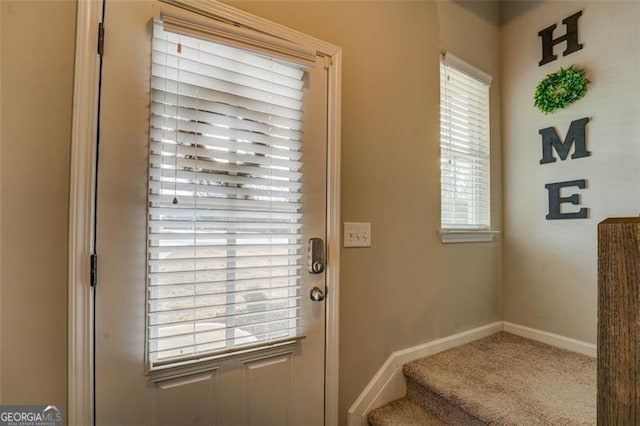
{"points": [[389, 383], [552, 339]]}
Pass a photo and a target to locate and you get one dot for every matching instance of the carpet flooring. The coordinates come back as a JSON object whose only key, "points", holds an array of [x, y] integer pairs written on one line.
{"points": [[502, 379]]}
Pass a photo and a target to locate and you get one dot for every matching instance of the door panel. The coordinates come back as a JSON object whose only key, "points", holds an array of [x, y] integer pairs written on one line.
{"points": [[193, 399], [275, 385], [262, 402]]}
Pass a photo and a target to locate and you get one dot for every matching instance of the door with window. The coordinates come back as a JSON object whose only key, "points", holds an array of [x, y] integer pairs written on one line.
{"points": [[209, 304]]}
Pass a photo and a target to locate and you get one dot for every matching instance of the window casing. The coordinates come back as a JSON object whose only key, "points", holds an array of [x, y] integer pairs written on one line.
{"points": [[464, 146]]}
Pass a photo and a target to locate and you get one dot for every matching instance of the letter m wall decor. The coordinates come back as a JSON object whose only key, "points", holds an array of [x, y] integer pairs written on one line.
{"points": [[575, 136], [550, 142]]}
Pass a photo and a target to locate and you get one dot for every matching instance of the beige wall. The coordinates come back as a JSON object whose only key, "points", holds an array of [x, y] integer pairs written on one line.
{"points": [[407, 288], [550, 267], [37, 83]]}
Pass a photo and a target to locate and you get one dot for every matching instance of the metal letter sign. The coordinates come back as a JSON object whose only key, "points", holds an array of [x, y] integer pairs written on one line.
{"points": [[555, 200], [571, 37], [575, 134]]}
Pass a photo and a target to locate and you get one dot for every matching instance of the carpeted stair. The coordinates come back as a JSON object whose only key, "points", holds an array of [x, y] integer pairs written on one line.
{"points": [[502, 379]]}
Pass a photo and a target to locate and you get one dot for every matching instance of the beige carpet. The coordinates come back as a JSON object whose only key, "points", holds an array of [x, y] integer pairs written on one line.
{"points": [[403, 412], [500, 380]]}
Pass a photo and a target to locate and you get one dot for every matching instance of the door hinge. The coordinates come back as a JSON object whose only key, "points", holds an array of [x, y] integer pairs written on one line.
{"points": [[328, 62], [100, 38], [93, 270]]}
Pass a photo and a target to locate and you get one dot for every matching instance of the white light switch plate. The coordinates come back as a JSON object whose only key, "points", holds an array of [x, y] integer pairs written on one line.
{"points": [[357, 234]]}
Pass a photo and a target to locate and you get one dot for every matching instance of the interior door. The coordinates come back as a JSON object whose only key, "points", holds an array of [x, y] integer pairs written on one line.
{"points": [[256, 381]]}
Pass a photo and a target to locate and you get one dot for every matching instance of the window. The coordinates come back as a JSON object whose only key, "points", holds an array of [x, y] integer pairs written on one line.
{"points": [[224, 253], [464, 146]]}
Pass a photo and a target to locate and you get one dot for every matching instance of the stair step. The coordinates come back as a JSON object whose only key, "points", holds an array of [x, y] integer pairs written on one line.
{"points": [[446, 411], [403, 412], [504, 379]]}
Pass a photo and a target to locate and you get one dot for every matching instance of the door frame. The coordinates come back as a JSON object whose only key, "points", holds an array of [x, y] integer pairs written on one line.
{"points": [[82, 196]]}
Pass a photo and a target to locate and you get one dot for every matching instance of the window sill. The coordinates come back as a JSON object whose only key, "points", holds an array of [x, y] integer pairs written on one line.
{"points": [[452, 236], [187, 367]]}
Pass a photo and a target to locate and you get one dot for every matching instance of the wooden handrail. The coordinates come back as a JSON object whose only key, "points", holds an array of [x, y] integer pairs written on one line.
{"points": [[619, 321]]}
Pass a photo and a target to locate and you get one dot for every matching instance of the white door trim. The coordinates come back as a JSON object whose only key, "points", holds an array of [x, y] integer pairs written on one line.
{"points": [[81, 208], [333, 240], [1, 13], [81, 193]]}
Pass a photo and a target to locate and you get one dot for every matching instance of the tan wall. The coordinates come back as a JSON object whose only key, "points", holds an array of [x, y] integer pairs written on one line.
{"points": [[407, 288], [37, 84], [550, 267]]}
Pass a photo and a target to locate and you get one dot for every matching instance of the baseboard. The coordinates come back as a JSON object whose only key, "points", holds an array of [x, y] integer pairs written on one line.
{"points": [[388, 384], [552, 339]]}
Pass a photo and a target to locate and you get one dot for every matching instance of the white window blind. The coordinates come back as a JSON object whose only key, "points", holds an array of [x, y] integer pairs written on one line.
{"points": [[464, 145], [224, 224]]}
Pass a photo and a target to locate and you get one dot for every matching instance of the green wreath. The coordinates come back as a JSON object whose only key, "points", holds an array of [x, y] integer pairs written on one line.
{"points": [[560, 89]]}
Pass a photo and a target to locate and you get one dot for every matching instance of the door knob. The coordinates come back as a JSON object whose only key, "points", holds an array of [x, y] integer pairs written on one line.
{"points": [[316, 294]]}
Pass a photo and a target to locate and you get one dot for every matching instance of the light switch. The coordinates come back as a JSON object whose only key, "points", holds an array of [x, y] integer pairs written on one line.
{"points": [[357, 234]]}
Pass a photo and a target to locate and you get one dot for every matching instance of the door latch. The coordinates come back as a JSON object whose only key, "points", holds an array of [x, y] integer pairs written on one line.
{"points": [[315, 256], [316, 294]]}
